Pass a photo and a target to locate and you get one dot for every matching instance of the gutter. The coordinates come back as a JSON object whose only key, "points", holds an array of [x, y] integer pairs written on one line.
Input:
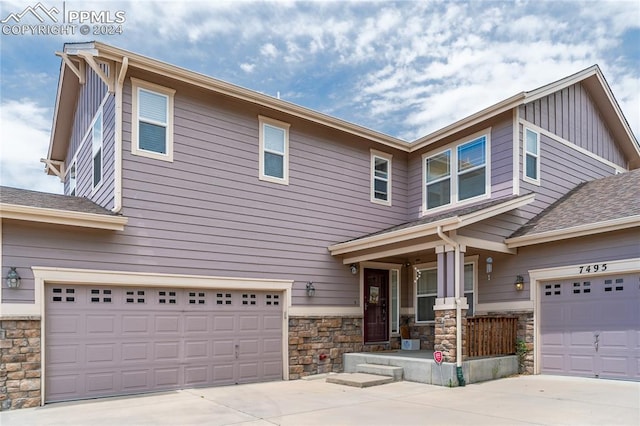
{"points": [[456, 280]]}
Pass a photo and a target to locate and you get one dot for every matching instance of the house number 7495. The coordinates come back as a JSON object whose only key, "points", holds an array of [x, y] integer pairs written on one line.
{"points": [[598, 267]]}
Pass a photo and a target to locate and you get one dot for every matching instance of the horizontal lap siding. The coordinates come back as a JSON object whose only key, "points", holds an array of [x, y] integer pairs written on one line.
{"points": [[580, 251], [571, 114], [207, 213]]}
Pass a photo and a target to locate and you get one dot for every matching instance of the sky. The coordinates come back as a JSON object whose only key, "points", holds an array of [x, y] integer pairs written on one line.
{"points": [[402, 68]]}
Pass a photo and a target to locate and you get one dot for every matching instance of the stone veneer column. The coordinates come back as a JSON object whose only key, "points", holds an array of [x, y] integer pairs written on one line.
{"points": [[20, 373], [445, 333]]}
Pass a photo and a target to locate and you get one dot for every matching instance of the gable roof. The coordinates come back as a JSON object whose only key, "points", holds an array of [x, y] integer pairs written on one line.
{"points": [[601, 205], [34, 206], [591, 77]]}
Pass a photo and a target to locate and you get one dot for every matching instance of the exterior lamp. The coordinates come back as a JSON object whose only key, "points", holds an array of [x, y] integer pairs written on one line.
{"points": [[489, 267], [311, 290], [519, 283], [353, 268], [13, 279]]}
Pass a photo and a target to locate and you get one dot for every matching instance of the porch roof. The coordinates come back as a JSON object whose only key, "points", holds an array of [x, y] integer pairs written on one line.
{"points": [[400, 236], [601, 205]]}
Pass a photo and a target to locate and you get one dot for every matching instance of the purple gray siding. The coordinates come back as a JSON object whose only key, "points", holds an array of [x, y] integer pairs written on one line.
{"points": [[208, 214], [585, 250], [571, 114], [91, 96]]}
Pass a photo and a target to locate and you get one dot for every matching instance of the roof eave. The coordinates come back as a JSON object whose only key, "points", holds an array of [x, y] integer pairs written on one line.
{"points": [[63, 217], [574, 232]]}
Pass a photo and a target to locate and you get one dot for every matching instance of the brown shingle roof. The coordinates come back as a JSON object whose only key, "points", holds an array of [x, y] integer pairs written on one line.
{"points": [[600, 200], [25, 197]]}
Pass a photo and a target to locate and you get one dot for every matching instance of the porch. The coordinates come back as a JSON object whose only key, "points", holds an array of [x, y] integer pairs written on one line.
{"points": [[419, 366]]}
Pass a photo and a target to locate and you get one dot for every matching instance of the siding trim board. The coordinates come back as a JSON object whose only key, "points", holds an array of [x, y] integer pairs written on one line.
{"points": [[530, 125]]}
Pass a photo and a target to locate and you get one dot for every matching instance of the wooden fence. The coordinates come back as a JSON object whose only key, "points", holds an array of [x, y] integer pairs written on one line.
{"points": [[491, 336]]}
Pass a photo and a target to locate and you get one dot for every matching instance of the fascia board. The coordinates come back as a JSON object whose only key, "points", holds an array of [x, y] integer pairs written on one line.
{"points": [[62, 217], [574, 232]]}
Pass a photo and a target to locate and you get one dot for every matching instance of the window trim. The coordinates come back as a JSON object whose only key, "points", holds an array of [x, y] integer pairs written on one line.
{"points": [[526, 152], [262, 121], [136, 85], [388, 158], [97, 149], [454, 174], [422, 267], [397, 306], [73, 177]]}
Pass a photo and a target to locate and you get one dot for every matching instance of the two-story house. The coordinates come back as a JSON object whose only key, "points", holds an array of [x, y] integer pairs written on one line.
{"points": [[212, 235]]}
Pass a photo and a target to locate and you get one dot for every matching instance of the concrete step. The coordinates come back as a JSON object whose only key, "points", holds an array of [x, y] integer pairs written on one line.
{"points": [[359, 380], [382, 370]]}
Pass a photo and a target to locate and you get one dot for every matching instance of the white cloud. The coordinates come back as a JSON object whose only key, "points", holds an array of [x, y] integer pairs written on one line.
{"points": [[269, 50], [248, 68], [24, 132]]}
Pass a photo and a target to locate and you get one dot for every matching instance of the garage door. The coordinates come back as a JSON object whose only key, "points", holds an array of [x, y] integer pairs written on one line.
{"points": [[591, 327], [105, 341]]}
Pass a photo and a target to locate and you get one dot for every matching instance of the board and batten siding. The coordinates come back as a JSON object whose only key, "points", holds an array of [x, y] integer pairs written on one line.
{"points": [[501, 162], [597, 248], [571, 114]]}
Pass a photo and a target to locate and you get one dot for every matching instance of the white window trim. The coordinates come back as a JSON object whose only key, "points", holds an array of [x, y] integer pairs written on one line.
{"points": [[94, 150], [387, 157], [74, 180], [137, 84], [468, 260], [262, 120], [524, 156], [453, 173]]}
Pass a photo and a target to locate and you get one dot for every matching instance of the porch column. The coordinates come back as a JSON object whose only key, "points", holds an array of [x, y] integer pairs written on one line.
{"points": [[442, 272]]}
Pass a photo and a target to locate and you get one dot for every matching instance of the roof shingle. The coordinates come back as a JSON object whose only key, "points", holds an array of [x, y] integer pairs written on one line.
{"points": [[25, 197]]}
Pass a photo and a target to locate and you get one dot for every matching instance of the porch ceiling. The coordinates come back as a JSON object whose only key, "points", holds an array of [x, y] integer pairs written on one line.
{"points": [[422, 234]]}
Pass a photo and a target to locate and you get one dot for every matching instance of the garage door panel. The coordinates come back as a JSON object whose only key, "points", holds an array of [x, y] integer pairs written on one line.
{"points": [[593, 325], [104, 341]]}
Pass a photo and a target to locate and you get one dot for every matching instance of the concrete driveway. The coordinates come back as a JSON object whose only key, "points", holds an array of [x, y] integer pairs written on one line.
{"points": [[525, 400]]}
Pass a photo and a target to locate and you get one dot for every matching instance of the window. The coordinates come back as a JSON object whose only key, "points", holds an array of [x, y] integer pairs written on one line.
{"points": [[457, 174], [72, 179], [274, 151], [426, 293], [531, 156], [380, 178], [152, 128], [395, 301], [96, 137]]}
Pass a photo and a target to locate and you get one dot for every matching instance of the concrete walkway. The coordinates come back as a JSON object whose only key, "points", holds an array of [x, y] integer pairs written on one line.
{"points": [[527, 400]]}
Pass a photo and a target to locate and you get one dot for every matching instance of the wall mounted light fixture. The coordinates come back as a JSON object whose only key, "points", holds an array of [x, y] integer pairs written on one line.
{"points": [[519, 283], [353, 268], [311, 290], [13, 279], [489, 267]]}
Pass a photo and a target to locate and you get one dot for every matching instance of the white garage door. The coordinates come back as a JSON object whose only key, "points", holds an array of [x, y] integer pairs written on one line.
{"points": [[105, 341], [591, 327]]}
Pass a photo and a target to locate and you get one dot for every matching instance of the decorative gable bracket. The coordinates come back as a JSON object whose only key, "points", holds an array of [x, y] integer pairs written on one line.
{"points": [[57, 167], [77, 70], [109, 80]]}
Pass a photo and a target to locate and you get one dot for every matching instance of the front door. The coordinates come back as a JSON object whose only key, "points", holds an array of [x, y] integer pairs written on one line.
{"points": [[376, 316]]}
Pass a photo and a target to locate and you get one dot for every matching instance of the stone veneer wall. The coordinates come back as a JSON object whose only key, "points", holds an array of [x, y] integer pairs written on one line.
{"points": [[445, 333], [20, 372], [424, 332], [316, 344]]}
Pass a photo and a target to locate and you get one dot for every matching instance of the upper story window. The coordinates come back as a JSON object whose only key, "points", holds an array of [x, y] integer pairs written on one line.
{"points": [[96, 138], [380, 177], [274, 150], [531, 156], [152, 116], [457, 174]]}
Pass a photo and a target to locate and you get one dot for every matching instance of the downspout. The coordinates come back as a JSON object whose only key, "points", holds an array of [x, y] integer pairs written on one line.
{"points": [[117, 155], [456, 283]]}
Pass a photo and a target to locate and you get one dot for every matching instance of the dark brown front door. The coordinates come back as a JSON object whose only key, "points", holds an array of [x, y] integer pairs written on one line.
{"points": [[376, 317]]}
